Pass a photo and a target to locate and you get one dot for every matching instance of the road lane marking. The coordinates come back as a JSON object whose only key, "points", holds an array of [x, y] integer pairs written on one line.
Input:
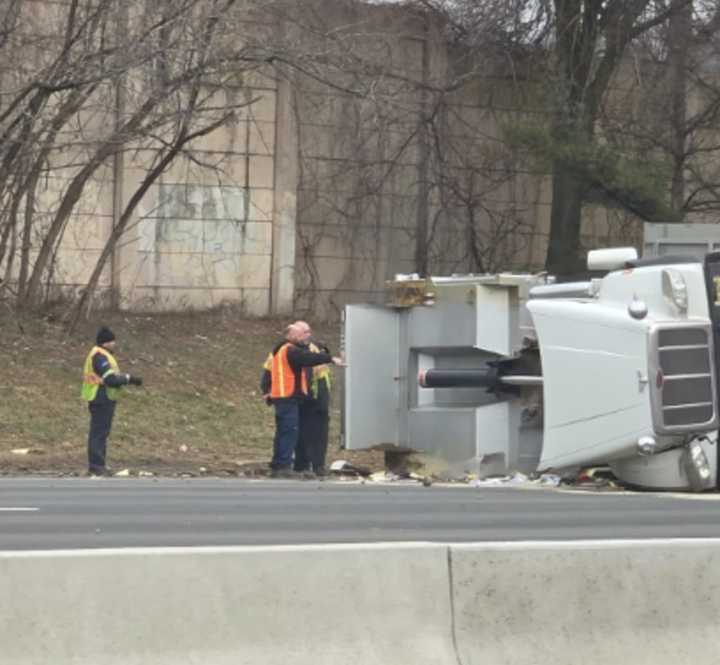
{"points": [[18, 510]]}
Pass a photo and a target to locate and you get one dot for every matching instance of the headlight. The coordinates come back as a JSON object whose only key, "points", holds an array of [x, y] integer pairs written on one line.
{"points": [[646, 445], [637, 309], [697, 467], [675, 289]]}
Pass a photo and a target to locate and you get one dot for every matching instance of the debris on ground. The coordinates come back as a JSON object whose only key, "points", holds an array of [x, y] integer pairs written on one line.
{"points": [[550, 480], [390, 477], [344, 468], [518, 479], [383, 476], [511, 480], [600, 477]]}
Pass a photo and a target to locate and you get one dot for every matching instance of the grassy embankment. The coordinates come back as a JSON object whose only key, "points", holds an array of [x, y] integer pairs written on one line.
{"points": [[199, 411]]}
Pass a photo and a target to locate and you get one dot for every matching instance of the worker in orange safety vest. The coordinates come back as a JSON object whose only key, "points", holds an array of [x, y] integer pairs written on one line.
{"points": [[285, 384]]}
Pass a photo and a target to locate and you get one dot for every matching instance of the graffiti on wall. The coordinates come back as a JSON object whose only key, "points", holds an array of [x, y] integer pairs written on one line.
{"points": [[195, 218]]}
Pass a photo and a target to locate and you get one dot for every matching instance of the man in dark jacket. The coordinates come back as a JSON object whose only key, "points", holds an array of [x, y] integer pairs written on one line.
{"points": [[102, 382], [314, 414], [285, 383]]}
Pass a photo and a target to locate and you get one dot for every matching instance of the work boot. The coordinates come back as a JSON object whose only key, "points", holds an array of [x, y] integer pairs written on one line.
{"points": [[99, 473], [287, 474]]}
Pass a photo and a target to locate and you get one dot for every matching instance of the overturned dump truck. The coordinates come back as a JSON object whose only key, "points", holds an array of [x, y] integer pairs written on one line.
{"points": [[506, 372]]}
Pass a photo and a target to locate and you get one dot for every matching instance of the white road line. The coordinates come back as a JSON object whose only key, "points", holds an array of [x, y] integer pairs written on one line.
{"points": [[18, 510]]}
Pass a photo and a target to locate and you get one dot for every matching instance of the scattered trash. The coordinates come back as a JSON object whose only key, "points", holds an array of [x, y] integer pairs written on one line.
{"points": [[345, 468], [183, 448], [383, 476], [145, 474], [550, 480], [600, 477], [27, 451], [595, 474], [489, 482], [516, 479], [202, 469], [122, 474]]}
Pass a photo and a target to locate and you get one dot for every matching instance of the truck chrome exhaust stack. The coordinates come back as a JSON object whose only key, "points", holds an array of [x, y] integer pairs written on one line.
{"points": [[473, 378]]}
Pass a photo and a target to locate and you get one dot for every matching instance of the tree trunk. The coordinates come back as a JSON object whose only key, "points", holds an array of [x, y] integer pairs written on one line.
{"points": [[27, 233], [563, 255], [422, 211], [679, 38]]}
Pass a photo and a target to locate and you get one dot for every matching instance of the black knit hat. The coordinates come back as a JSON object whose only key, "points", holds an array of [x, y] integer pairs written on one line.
{"points": [[104, 335]]}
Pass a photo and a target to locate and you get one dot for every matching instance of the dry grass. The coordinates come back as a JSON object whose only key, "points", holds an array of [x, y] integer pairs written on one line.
{"points": [[199, 408]]}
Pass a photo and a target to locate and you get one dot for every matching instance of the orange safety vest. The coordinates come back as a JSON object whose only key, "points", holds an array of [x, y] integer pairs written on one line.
{"points": [[283, 376]]}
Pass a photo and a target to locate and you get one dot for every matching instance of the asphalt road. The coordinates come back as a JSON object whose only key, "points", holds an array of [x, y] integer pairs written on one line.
{"points": [[86, 513]]}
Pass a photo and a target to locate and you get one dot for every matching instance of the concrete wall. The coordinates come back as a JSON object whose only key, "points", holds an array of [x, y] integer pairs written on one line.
{"points": [[204, 237], [201, 236], [367, 605], [592, 602], [328, 184]]}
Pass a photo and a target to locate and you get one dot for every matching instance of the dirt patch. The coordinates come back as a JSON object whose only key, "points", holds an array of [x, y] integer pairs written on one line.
{"points": [[198, 413]]}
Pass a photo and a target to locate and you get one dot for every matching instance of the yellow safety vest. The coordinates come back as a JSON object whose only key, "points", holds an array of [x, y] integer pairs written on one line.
{"points": [[91, 381], [320, 373]]}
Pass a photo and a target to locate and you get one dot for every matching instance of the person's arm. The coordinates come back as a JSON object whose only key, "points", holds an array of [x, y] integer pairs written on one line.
{"points": [[111, 378], [303, 357], [265, 382]]}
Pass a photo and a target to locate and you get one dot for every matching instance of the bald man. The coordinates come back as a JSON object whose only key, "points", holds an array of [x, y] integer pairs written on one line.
{"points": [[285, 382]]}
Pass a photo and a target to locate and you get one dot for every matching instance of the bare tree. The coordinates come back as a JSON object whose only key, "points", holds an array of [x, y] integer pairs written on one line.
{"points": [[147, 78], [676, 75], [578, 46]]}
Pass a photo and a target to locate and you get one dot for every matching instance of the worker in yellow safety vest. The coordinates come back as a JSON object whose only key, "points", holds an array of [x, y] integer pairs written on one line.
{"points": [[102, 382], [314, 415], [285, 384]]}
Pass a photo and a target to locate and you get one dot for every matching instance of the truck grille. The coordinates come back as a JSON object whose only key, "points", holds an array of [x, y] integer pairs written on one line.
{"points": [[684, 397]]}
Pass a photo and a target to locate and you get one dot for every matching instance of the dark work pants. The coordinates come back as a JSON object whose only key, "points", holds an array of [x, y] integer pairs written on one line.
{"points": [[313, 441], [101, 417], [287, 429]]}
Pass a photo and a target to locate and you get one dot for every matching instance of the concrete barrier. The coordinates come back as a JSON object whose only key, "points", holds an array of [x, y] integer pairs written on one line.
{"points": [[492, 604], [598, 602], [332, 605]]}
